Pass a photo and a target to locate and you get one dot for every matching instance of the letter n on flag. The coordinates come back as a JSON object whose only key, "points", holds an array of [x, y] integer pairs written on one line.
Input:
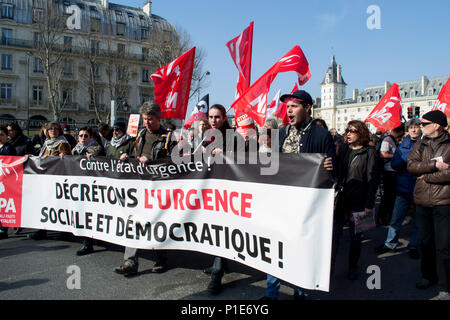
{"points": [[443, 101], [387, 114], [11, 177], [173, 84], [254, 101]]}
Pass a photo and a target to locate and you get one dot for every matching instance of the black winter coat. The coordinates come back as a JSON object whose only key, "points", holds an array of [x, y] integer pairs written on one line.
{"points": [[357, 180]]}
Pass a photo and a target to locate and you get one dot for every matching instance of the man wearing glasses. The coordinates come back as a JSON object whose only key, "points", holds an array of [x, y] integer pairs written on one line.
{"points": [[429, 161]]}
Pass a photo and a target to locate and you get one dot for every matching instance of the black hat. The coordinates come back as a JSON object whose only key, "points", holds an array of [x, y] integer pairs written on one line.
{"points": [[299, 94], [121, 126], [436, 116]]}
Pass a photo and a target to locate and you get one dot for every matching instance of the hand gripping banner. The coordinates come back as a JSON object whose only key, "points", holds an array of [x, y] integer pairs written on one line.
{"points": [[280, 224]]}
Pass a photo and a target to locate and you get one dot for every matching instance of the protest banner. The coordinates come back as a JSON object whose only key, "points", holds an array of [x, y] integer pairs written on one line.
{"points": [[133, 124], [280, 224]]}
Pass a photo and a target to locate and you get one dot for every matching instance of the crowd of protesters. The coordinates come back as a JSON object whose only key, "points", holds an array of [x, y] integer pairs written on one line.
{"points": [[407, 168]]}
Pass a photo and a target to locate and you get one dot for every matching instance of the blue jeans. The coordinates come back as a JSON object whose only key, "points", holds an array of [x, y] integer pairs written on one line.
{"points": [[401, 207], [273, 286]]}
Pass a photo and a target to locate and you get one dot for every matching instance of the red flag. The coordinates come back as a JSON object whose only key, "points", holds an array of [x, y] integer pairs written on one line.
{"points": [[443, 101], [172, 86], [241, 52], [387, 114], [254, 101], [281, 112]]}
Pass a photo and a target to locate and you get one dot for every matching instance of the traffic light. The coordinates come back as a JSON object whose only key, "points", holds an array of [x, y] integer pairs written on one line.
{"points": [[410, 112], [417, 112]]}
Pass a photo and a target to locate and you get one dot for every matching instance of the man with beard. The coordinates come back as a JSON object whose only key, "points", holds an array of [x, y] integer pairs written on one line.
{"points": [[301, 135]]}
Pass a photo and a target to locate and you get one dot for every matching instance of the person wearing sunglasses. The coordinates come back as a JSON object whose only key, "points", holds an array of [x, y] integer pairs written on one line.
{"points": [[429, 161], [357, 186], [87, 146], [121, 144], [55, 145]]}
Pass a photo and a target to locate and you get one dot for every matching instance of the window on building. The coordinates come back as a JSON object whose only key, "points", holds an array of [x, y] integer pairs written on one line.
{"points": [[38, 14], [145, 75], [430, 92], [93, 8], [120, 29], [6, 36], [67, 95], [38, 94], [121, 72], [430, 103], [6, 62], [144, 54], [95, 47], [96, 70], [6, 91], [144, 33], [67, 44], [7, 11], [118, 13], [37, 64], [120, 49], [38, 40], [68, 68], [95, 25]]}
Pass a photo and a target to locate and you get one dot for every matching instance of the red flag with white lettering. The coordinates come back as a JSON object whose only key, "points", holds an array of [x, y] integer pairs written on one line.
{"points": [[172, 86], [241, 52], [254, 101], [387, 114], [443, 101], [281, 112]]}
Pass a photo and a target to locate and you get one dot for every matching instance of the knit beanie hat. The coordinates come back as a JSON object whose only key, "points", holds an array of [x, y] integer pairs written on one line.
{"points": [[436, 116]]}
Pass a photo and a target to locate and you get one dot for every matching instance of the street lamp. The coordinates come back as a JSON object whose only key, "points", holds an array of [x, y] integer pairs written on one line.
{"points": [[207, 73], [29, 55]]}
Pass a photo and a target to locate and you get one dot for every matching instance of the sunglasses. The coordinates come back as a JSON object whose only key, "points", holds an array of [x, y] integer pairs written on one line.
{"points": [[424, 124], [351, 131], [83, 136]]}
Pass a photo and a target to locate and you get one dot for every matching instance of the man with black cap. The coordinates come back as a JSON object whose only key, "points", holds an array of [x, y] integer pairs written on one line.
{"points": [[301, 135], [429, 161], [121, 142], [152, 143]]}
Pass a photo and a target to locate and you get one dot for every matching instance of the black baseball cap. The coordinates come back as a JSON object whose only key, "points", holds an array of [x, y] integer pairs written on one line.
{"points": [[121, 126], [299, 94]]}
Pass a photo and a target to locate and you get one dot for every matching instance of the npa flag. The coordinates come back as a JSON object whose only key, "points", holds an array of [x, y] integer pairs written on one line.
{"points": [[274, 104], [387, 114], [281, 112], [172, 86], [443, 101], [241, 52], [254, 101], [200, 112], [11, 179]]}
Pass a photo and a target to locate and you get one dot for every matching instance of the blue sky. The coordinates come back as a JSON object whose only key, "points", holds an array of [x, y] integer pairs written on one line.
{"points": [[413, 39]]}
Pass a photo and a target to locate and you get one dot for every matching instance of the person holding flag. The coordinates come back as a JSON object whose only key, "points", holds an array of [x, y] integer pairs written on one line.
{"points": [[301, 136]]}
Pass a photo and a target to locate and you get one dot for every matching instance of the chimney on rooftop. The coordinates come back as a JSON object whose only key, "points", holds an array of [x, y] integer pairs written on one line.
{"points": [[355, 94], [105, 3], [147, 8]]}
